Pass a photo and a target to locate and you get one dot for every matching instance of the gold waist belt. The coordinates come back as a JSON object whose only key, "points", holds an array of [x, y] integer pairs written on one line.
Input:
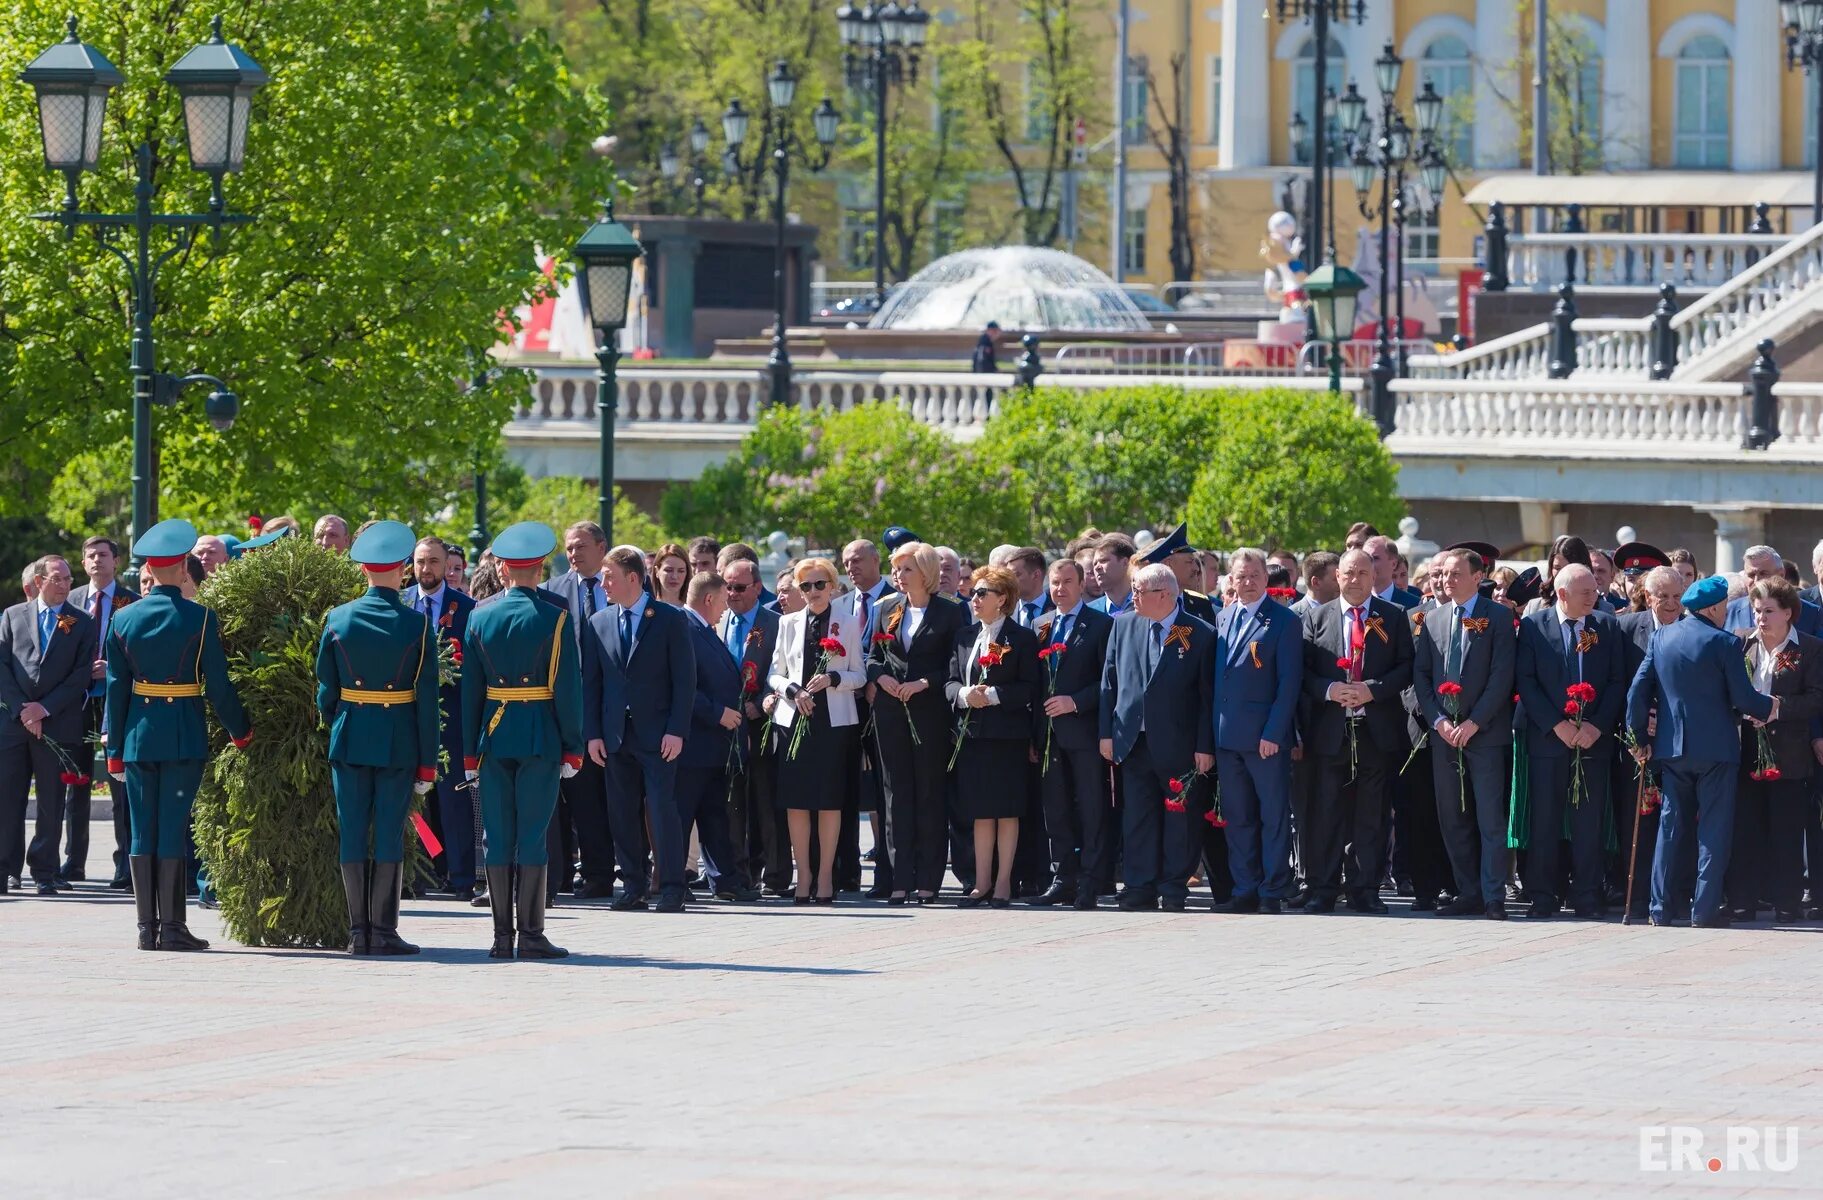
{"points": [[361, 696], [508, 694], [166, 691]]}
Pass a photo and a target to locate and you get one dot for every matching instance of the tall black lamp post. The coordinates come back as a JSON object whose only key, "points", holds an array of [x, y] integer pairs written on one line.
{"points": [[783, 144], [669, 164], [604, 278], [880, 47], [1804, 50], [216, 82], [1321, 14]]}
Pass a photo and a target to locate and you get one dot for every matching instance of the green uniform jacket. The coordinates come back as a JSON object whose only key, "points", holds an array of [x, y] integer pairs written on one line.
{"points": [[510, 645], [376, 644], [166, 639]]}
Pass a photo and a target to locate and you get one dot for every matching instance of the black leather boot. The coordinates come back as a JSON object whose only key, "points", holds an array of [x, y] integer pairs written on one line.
{"points": [[532, 942], [383, 912], [173, 934], [354, 888], [500, 901], [145, 901]]}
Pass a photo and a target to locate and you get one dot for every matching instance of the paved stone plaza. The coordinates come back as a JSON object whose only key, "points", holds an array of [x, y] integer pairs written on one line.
{"points": [[867, 1051]]}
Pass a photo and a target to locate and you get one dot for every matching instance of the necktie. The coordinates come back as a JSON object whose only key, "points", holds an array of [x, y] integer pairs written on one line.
{"points": [[588, 596], [737, 636], [1357, 645], [1062, 632], [867, 613], [626, 633], [1031, 614], [1452, 654], [1575, 658], [1158, 642], [425, 603], [46, 619], [99, 687]]}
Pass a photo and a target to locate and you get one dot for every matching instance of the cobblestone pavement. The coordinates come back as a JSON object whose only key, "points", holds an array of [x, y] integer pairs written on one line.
{"points": [[868, 1051]]}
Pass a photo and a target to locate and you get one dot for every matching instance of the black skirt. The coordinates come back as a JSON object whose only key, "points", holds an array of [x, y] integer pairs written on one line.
{"points": [[991, 776], [819, 778]]}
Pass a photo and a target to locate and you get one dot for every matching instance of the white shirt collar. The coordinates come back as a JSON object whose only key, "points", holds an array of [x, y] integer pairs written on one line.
{"points": [[698, 617], [436, 596], [992, 631], [39, 606], [1563, 617]]}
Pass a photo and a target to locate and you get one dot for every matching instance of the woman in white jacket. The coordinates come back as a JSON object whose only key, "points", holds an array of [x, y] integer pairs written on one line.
{"points": [[817, 664]]}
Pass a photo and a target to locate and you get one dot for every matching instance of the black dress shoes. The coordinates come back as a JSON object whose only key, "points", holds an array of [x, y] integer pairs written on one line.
{"points": [[1368, 903], [1085, 901], [595, 889], [1057, 893], [1424, 904], [47, 888], [1719, 921], [1132, 901], [1320, 904], [732, 894], [1587, 912], [1540, 911], [1171, 903], [671, 902], [1240, 904], [629, 902], [1461, 906], [1271, 905], [876, 892], [1497, 911], [1788, 916]]}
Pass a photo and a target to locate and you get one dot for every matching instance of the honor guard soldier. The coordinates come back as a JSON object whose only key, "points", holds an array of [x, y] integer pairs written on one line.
{"points": [[522, 732], [164, 655], [1175, 551], [376, 670]]}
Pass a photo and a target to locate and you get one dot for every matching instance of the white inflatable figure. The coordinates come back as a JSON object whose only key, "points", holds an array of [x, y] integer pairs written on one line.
{"points": [[1286, 269]]}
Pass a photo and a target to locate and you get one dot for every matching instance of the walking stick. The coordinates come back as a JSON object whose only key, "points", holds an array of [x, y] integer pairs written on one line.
{"points": [[1639, 804]]}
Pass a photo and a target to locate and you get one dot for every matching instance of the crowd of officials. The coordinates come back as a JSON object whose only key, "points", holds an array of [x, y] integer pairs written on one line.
{"points": [[1315, 731]]}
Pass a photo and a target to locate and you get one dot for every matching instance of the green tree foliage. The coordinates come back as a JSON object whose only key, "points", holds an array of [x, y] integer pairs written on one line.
{"points": [[831, 477], [265, 816], [404, 162], [1120, 458], [561, 500], [1292, 470]]}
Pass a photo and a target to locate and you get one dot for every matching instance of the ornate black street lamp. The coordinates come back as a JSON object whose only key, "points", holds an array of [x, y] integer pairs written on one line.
{"points": [[1320, 14], [783, 144], [216, 82], [669, 164], [1804, 50], [880, 48], [604, 279]]}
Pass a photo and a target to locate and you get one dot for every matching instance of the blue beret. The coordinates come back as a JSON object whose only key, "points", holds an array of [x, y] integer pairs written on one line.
{"points": [[383, 543], [1705, 593], [528, 541], [167, 539], [896, 536]]}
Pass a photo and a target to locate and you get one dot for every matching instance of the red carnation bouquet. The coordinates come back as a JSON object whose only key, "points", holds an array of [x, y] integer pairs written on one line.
{"points": [[990, 658], [1347, 667], [883, 644], [827, 649], [1766, 763], [1177, 788], [1048, 658], [1450, 692], [1577, 698]]}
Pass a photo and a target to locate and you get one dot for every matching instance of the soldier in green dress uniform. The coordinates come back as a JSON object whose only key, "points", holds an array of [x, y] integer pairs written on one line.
{"points": [[376, 669], [521, 733], [164, 655]]}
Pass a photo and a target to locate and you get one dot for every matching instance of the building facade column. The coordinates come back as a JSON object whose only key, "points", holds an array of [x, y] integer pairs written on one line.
{"points": [[1245, 135], [1736, 528], [677, 296], [1759, 72], [1497, 48], [1626, 86]]}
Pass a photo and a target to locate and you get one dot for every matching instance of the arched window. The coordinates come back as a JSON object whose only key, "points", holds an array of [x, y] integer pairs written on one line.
{"points": [[1446, 65], [1700, 122], [1305, 100]]}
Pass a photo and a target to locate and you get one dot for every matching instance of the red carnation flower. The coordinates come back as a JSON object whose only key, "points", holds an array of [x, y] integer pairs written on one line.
{"points": [[1215, 819], [1177, 787], [1581, 692], [882, 639], [1449, 689], [256, 522], [1571, 708], [1345, 663], [987, 660], [72, 779], [1174, 806], [1772, 773], [831, 645]]}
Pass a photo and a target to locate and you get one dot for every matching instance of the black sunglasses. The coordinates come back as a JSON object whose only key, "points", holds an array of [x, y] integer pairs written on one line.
{"points": [[738, 588], [814, 585], [981, 591]]}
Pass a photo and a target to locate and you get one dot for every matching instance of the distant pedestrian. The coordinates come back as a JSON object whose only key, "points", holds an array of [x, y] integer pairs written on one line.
{"points": [[986, 346]]}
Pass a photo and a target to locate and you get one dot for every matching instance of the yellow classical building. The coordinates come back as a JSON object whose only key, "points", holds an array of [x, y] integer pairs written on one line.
{"points": [[1681, 114]]}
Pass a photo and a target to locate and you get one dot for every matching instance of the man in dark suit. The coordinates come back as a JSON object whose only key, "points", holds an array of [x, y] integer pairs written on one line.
{"points": [[1073, 779], [1664, 594], [1354, 735], [861, 561], [46, 665], [748, 630], [1463, 679], [735, 552], [447, 611], [638, 688], [1028, 567], [716, 744], [583, 806], [1385, 554], [1695, 677], [100, 598], [1763, 562], [1574, 641], [1259, 669], [1157, 725]]}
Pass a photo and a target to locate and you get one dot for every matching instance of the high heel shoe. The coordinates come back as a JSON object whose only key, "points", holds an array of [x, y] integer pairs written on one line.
{"points": [[895, 901], [804, 899], [829, 899], [972, 900], [1001, 902]]}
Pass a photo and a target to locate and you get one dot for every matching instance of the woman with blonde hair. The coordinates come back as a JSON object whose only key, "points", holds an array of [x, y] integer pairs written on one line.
{"points": [[993, 682], [915, 632], [818, 663]]}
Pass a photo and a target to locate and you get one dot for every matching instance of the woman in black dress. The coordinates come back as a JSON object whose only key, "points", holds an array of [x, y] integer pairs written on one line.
{"points": [[817, 665], [914, 638], [993, 682]]}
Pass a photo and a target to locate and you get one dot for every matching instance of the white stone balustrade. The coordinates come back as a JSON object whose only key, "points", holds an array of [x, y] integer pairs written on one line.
{"points": [[1687, 261]]}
